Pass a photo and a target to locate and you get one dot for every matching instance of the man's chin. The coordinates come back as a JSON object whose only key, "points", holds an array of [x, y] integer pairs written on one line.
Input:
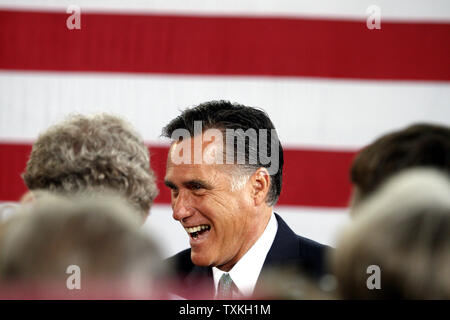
{"points": [[200, 259]]}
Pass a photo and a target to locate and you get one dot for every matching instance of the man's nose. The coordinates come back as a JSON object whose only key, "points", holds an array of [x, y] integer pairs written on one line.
{"points": [[181, 207]]}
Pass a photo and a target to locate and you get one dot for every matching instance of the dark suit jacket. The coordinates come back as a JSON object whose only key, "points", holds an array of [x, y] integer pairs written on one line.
{"points": [[287, 250]]}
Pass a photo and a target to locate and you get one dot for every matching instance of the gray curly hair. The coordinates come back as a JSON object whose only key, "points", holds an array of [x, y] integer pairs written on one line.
{"points": [[100, 152]]}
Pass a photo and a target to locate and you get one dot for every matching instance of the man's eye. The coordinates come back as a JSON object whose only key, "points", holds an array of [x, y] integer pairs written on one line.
{"points": [[197, 188]]}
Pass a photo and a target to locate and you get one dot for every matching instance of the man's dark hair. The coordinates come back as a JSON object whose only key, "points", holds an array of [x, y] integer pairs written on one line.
{"points": [[424, 145], [224, 115]]}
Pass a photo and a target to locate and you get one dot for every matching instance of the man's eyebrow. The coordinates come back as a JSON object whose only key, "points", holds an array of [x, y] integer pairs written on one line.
{"points": [[170, 184], [197, 183]]}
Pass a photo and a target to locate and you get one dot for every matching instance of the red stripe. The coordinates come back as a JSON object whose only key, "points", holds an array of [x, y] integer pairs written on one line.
{"points": [[225, 46], [13, 159], [311, 178]]}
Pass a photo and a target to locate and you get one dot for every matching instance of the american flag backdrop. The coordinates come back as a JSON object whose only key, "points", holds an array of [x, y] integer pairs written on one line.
{"points": [[329, 83]]}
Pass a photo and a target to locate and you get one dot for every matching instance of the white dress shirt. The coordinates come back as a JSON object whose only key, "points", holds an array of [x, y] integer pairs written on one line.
{"points": [[246, 271]]}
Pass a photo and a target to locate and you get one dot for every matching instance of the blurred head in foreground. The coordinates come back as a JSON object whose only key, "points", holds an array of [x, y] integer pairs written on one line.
{"points": [[404, 229], [420, 145], [56, 244], [93, 153], [291, 283]]}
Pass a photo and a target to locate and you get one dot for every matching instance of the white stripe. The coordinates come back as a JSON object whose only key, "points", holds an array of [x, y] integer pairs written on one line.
{"points": [[435, 10], [307, 112]]}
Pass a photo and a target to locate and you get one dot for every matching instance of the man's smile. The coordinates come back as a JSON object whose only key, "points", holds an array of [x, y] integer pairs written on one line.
{"points": [[198, 232]]}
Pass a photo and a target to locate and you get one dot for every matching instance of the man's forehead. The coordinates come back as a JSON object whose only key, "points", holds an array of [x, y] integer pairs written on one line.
{"points": [[196, 151]]}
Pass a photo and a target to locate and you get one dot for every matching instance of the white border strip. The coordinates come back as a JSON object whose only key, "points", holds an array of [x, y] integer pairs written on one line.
{"points": [[430, 10]]}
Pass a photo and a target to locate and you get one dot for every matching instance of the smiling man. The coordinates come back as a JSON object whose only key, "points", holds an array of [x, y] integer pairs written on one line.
{"points": [[224, 170]]}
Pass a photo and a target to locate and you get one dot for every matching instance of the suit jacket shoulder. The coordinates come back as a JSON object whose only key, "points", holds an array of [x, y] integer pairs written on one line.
{"points": [[290, 249], [181, 262], [190, 280]]}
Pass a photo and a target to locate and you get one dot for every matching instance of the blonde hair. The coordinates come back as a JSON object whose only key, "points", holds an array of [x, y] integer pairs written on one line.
{"points": [[100, 152], [98, 234]]}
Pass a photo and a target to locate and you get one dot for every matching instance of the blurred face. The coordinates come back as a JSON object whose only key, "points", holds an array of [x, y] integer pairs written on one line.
{"points": [[220, 223]]}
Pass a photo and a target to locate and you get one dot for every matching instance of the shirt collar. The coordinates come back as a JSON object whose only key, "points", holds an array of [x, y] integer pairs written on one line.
{"points": [[246, 271]]}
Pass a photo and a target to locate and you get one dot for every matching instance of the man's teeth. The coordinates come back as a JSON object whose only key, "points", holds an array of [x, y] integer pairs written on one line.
{"points": [[198, 228]]}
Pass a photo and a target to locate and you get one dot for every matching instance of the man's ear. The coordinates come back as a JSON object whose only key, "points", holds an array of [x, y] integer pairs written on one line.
{"points": [[260, 185]]}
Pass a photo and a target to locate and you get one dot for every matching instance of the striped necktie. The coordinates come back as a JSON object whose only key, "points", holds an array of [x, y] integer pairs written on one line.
{"points": [[225, 287]]}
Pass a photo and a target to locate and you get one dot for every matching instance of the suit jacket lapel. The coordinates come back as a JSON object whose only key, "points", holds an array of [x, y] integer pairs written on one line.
{"points": [[283, 252], [285, 246]]}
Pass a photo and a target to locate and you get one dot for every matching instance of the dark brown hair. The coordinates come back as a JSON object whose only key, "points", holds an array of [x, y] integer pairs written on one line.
{"points": [[424, 145], [224, 115]]}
